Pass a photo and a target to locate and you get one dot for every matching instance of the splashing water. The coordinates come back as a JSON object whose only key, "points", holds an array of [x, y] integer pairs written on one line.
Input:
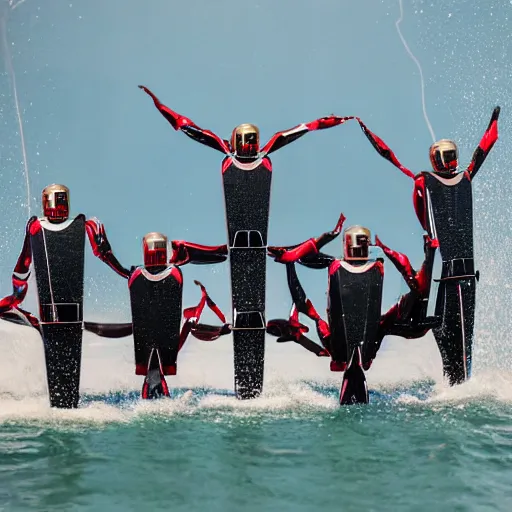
{"points": [[417, 62], [6, 54]]}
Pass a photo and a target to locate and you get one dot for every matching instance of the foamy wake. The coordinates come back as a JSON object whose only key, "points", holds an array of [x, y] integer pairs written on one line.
{"points": [[294, 380]]}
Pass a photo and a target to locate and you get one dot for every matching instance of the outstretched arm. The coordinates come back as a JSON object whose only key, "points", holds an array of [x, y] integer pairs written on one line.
{"points": [[484, 147], [189, 128], [281, 139], [101, 246], [187, 252], [21, 270], [383, 149], [307, 248]]}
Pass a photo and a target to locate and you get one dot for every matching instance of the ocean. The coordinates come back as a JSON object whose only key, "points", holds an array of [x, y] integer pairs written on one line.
{"points": [[419, 445]]}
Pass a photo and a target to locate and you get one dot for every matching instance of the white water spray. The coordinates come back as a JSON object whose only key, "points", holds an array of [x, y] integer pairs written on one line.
{"points": [[6, 53], [416, 61]]}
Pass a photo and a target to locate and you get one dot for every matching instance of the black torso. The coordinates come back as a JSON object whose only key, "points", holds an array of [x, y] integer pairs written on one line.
{"points": [[156, 304], [450, 202], [354, 307], [58, 257], [247, 200]]}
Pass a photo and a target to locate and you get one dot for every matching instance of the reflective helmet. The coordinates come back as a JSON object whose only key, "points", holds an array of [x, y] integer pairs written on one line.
{"points": [[444, 156], [155, 249], [357, 241], [56, 203], [245, 140]]}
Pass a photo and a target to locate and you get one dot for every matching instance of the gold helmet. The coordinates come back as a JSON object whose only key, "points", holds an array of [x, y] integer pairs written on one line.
{"points": [[245, 140], [444, 156], [155, 249], [56, 203], [357, 241]]}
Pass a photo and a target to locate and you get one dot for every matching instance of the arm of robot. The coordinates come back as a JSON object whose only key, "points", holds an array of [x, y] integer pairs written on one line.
{"points": [[101, 246], [484, 147], [310, 247], [189, 128], [109, 330], [383, 149], [205, 332], [301, 304], [284, 331], [408, 317], [281, 139], [416, 281], [19, 316], [21, 271], [420, 204], [187, 252], [192, 316]]}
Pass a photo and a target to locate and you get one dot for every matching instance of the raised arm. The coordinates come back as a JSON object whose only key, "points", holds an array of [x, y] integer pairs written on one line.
{"points": [[417, 281], [189, 128], [188, 252], [484, 147], [281, 139], [383, 149], [308, 248], [408, 317], [21, 270], [101, 246]]}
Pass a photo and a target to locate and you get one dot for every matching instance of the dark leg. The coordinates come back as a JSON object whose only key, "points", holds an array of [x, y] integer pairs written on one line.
{"points": [[249, 352], [456, 305], [354, 389], [63, 354]]}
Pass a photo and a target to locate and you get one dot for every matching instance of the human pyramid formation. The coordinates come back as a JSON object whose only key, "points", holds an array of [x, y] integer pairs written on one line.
{"points": [[355, 327]]}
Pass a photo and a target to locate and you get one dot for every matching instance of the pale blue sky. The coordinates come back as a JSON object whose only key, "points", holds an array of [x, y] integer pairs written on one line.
{"points": [[276, 64]]}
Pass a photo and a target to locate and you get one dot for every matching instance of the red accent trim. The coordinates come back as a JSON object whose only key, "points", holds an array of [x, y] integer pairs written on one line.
{"points": [[141, 369], [334, 266], [226, 163], [35, 227], [418, 198], [165, 388], [306, 248], [176, 273], [137, 272], [338, 367], [490, 137], [169, 370], [267, 164]]}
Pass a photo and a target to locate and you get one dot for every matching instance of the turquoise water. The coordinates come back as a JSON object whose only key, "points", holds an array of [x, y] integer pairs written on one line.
{"points": [[397, 454], [417, 446]]}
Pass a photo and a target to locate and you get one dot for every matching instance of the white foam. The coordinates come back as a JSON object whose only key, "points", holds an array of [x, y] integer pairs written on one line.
{"points": [[295, 380]]}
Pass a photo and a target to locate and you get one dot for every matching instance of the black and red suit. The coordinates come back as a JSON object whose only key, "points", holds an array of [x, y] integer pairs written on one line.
{"points": [[156, 305], [443, 202], [57, 252], [247, 177], [354, 289]]}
